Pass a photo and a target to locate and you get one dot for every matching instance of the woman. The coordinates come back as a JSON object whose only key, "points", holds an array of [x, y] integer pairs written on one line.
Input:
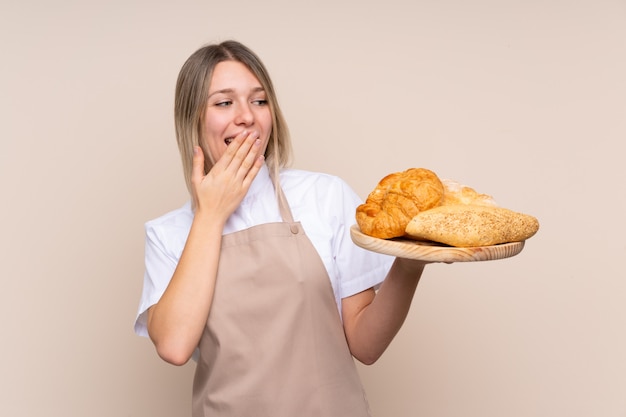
{"points": [[257, 276]]}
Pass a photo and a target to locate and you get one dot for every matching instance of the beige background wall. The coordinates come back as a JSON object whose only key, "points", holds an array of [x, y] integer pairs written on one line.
{"points": [[525, 100]]}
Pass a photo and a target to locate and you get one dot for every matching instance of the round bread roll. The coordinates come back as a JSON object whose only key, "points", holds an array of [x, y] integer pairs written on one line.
{"points": [[457, 193], [397, 198], [469, 225]]}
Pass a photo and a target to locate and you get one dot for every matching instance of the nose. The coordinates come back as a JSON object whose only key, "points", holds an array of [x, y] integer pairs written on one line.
{"points": [[244, 115]]}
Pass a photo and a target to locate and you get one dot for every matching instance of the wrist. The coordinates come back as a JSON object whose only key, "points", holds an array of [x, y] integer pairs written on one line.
{"points": [[408, 267], [208, 219]]}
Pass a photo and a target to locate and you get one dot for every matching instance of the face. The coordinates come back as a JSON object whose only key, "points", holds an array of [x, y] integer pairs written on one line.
{"points": [[236, 102]]}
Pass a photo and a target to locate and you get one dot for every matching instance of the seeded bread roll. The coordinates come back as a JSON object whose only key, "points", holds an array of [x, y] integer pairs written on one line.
{"points": [[471, 225]]}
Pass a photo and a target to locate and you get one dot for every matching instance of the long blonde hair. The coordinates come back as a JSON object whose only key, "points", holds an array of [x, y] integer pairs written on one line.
{"points": [[192, 88]]}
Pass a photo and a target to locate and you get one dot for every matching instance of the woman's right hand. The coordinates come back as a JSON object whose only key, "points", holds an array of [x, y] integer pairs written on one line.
{"points": [[177, 320], [221, 190]]}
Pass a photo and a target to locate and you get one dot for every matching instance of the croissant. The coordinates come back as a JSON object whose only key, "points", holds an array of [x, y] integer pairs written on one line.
{"points": [[398, 198]]}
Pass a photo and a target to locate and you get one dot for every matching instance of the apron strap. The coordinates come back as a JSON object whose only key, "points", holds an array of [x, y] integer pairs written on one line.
{"points": [[283, 204]]}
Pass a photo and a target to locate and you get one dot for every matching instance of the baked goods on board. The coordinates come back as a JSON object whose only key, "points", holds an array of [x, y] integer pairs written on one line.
{"points": [[416, 204]]}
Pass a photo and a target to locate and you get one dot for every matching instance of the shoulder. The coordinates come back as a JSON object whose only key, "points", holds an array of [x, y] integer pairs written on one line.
{"points": [[171, 224], [307, 181], [324, 197]]}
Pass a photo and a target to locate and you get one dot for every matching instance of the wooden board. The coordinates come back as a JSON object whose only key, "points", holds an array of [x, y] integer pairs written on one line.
{"points": [[433, 252]]}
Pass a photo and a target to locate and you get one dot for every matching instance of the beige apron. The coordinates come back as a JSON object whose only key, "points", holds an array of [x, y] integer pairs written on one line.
{"points": [[274, 344]]}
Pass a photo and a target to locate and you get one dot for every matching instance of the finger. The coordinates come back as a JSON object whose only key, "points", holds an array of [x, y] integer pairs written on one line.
{"points": [[251, 160], [234, 146], [246, 154], [231, 159], [197, 170], [254, 170]]}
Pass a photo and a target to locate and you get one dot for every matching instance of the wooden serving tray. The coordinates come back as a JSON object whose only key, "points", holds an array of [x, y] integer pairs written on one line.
{"points": [[431, 251]]}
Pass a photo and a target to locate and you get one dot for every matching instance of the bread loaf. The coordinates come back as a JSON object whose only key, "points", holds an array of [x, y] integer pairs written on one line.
{"points": [[457, 193], [470, 225]]}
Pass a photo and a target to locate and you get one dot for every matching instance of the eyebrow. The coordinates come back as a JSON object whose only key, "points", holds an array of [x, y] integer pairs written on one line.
{"points": [[230, 90]]}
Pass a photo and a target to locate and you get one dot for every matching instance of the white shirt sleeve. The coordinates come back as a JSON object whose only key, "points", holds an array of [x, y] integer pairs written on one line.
{"points": [[358, 269], [165, 239]]}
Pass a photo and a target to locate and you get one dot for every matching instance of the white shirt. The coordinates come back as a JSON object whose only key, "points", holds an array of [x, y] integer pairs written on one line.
{"points": [[324, 204]]}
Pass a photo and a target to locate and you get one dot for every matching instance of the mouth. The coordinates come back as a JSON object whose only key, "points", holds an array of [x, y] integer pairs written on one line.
{"points": [[227, 141]]}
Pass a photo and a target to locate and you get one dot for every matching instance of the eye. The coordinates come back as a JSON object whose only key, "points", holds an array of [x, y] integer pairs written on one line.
{"points": [[224, 103], [260, 102]]}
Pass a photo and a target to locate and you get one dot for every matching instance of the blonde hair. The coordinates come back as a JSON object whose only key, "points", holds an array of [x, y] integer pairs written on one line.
{"points": [[192, 88]]}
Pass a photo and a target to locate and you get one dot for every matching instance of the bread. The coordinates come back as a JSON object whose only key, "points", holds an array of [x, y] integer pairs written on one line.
{"points": [[470, 225], [417, 204], [457, 193], [397, 198]]}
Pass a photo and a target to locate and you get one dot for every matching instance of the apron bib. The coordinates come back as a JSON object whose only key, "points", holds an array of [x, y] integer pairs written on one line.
{"points": [[274, 345]]}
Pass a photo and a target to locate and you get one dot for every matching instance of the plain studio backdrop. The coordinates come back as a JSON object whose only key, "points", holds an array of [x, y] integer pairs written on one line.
{"points": [[523, 100]]}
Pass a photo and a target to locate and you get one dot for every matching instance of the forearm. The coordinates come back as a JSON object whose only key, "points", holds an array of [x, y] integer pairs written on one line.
{"points": [[375, 324], [176, 322]]}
